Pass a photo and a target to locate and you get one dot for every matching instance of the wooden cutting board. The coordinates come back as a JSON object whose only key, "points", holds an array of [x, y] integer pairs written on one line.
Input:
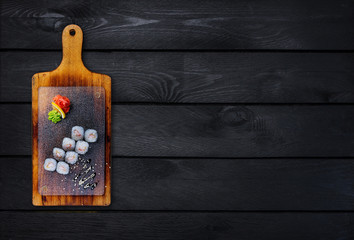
{"points": [[90, 97]]}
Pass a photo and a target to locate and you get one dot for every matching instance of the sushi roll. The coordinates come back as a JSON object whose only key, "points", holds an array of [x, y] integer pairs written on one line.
{"points": [[63, 168], [77, 133], [50, 164], [68, 144], [81, 147], [71, 157], [58, 154], [91, 135]]}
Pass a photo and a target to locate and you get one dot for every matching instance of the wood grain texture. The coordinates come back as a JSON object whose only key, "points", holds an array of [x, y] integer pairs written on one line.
{"points": [[210, 130], [234, 131], [71, 72], [206, 184], [256, 24], [203, 194], [198, 77], [109, 225]]}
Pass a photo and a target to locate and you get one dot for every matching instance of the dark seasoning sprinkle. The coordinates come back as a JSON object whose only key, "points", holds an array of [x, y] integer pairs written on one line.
{"points": [[85, 178]]}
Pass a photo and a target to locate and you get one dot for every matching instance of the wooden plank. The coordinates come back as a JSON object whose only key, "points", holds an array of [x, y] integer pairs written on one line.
{"points": [[209, 130], [109, 225], [206, 184], [198, 24], [198, 77]]}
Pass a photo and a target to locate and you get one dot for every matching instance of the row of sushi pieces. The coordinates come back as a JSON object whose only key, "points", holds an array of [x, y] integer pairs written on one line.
{"points": [[69, 144]]}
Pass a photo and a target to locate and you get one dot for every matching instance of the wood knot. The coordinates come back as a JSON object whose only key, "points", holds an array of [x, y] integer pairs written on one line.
{"points": [[235, 116]]}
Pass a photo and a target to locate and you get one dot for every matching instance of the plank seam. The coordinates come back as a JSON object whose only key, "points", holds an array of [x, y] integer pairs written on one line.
{"points": [[59, 210], [201, 158], [207, 103], [189, 50]]}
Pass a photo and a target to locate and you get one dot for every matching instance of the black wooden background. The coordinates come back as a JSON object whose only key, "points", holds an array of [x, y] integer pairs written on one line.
{"points": [[231, 119]]}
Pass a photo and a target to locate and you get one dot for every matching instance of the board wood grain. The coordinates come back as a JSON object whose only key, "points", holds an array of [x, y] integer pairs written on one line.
{"points": [[178, 225], [70, 73], [217, 130], [199, 77], [198, 24], [183, 184], [151, 73]]}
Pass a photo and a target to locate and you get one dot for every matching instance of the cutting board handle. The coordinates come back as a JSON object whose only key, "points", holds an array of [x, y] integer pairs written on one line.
{"points": [[72, 49]]}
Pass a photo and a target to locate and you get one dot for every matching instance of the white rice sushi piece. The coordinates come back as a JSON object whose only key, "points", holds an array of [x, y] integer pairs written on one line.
{"points": [[77, 133], [58, 154], [81, 147], [68, 144], [50, 164], [63, 168], [71, 157], [91, 135]]}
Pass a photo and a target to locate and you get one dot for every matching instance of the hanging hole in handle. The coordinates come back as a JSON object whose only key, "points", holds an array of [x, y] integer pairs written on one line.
{"points": [[72, 32]]}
